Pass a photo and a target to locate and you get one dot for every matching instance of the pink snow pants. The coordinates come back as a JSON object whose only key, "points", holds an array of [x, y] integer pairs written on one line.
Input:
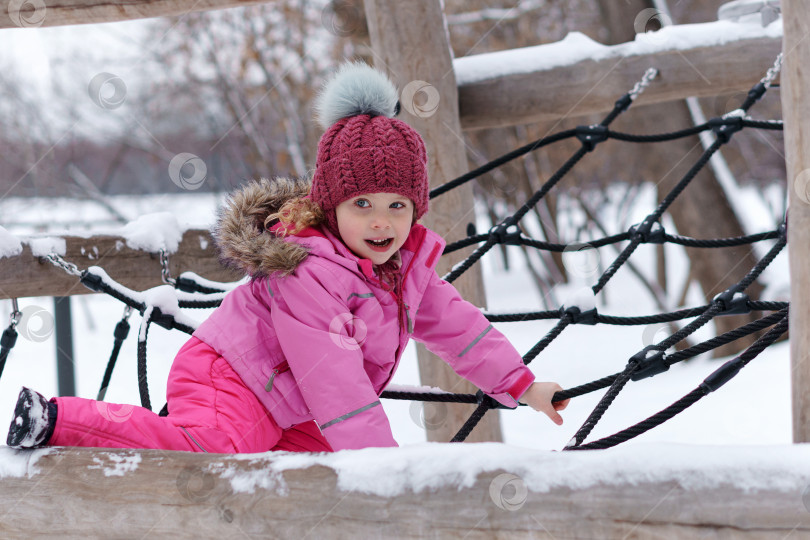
{"points": [[210, 410]]}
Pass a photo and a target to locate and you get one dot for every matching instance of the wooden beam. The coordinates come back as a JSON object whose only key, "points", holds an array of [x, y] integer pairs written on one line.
{"points": [[26, 275], [35, 13], [99, 493], [796, 112], [592, 86], [410, 41]]}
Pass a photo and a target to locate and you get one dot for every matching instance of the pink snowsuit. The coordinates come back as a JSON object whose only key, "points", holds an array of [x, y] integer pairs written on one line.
{"points": [[296, 358]]}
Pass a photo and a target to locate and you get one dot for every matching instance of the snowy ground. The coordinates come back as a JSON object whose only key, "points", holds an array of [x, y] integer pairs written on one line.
{"points": [[734, 415]]}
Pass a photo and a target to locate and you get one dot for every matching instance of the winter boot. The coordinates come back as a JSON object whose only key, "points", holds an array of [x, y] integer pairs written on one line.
{"points": [[33, 422]]}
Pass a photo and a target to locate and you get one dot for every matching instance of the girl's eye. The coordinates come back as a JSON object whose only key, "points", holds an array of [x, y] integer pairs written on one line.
{"points": [[362, 203], [398, 205]]}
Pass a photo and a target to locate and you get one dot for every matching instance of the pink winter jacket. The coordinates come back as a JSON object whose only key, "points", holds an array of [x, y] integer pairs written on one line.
{"points": [[320, 339]]}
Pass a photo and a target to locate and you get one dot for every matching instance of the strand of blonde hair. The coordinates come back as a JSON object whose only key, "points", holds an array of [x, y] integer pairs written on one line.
{"points": [[297, 214]]}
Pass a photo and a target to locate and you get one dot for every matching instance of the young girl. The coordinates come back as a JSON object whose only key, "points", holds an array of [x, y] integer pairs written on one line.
{"points": [[342, 277]]}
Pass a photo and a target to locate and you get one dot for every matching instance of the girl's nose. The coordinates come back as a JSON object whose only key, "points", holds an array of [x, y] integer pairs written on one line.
{"points": [[380, 222]]}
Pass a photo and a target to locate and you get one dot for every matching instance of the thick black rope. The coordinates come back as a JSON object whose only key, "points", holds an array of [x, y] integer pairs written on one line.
{"points": [[199, 304], [635, 363], [625, 137], [678, 315], [191, 285], [775, 125], [497, 162], [143, 387], [721, 242], [492, 240], [656, 216], [7, 342], [547, 339], [98, 283], [487, 402], [589, 137], [615, 387], [472, 421], [695, 350], [620, 381], [714, 381], [517, 240], [604, 382], [430, 396], [732, 335], [119, 335]]}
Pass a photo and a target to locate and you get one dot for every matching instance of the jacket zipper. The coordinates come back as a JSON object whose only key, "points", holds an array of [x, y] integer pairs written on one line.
{"points": [[415, 253], [281, 368]]}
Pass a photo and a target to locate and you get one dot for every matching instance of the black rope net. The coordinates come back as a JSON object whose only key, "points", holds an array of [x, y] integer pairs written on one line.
{"points": [[195, 292]]}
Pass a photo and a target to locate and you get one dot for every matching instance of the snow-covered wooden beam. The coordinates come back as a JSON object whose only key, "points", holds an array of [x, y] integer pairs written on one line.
{"points": [[431, 490], [578, 76], [35, 13], [25, 273]]}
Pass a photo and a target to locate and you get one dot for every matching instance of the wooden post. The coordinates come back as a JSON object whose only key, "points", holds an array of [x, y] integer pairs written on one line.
{"points": [[410, 41], [796, 112]]}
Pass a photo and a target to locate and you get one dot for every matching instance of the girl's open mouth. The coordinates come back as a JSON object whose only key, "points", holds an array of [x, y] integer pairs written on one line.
{"points": [[379, 245]]}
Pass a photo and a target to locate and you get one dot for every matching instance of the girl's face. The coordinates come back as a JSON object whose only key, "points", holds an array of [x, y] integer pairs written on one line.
{"points": [[375, 225]]}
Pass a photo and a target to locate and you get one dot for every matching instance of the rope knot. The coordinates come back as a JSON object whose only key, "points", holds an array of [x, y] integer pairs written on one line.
{"points": [[591, 135], [648, 361], [650, 231], [481, 397], [505, 233], [732, 302], [726, 126], [578, 316]]}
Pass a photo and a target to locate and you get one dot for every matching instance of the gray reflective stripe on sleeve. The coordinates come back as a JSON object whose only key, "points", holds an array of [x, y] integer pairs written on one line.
{"points": [[476, 340], [358, 295], [349, 415], [270, 290], [194, 440]]}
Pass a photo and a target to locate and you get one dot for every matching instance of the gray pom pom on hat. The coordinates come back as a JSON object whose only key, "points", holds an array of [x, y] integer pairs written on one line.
{"points": [[357, 88]]}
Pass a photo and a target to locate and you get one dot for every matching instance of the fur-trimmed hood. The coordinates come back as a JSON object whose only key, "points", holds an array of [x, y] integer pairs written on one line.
{"points": [[241, 239]]}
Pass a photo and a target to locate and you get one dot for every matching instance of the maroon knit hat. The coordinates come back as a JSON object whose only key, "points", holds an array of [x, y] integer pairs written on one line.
{"points": [[365, 149]]}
